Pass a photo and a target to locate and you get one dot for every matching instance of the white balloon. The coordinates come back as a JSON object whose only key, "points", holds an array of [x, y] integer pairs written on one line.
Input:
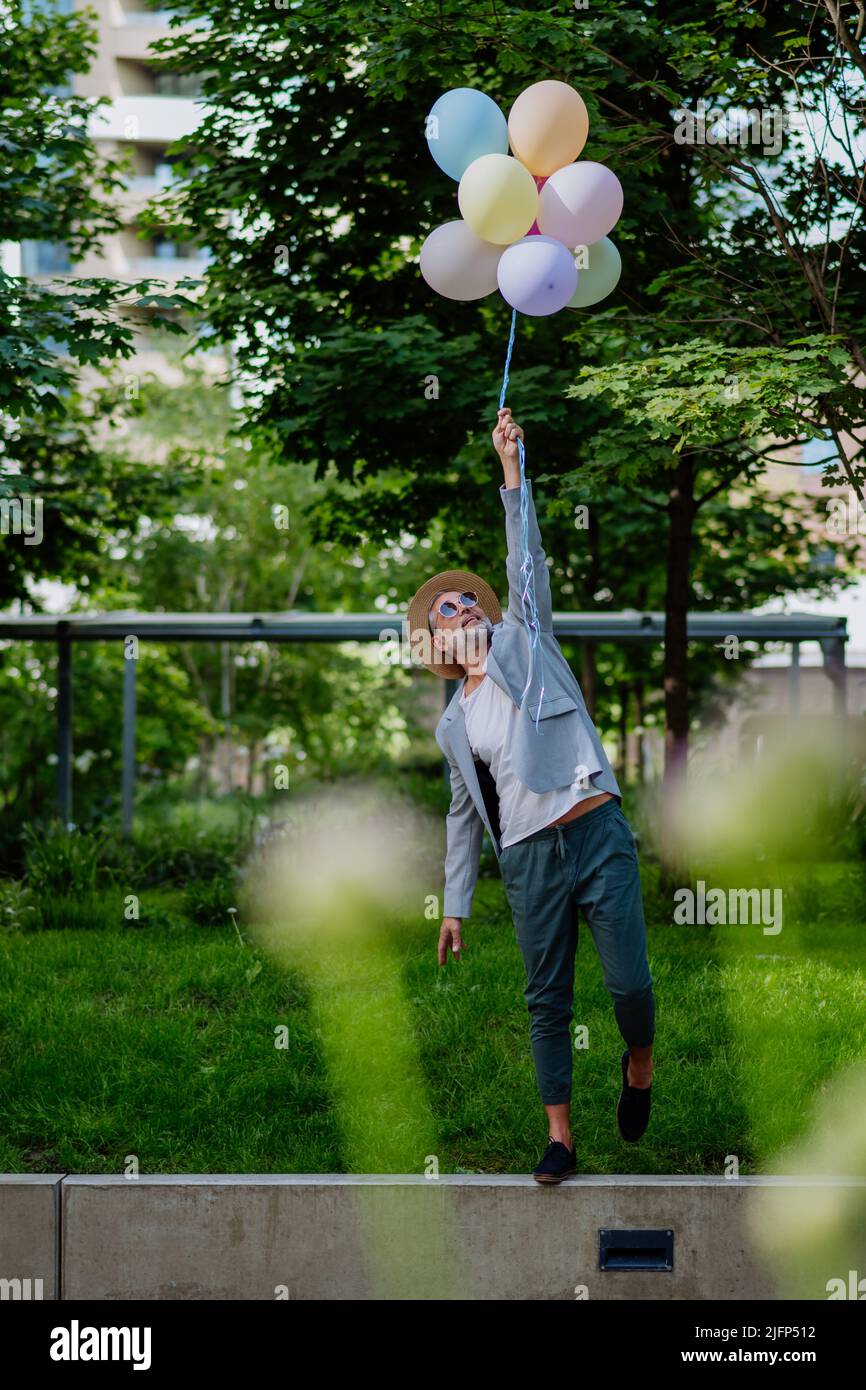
{"points": [[458, 264]]}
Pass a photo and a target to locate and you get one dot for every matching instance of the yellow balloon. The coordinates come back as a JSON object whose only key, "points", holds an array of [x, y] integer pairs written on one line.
{"points": [[498, 198], [548, 126]]}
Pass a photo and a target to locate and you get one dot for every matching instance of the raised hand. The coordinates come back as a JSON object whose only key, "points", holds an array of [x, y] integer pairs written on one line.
{"points": [[505, 436]]}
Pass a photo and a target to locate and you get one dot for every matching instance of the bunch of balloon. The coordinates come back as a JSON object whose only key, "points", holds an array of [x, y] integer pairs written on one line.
{"points": [[534, 222]]}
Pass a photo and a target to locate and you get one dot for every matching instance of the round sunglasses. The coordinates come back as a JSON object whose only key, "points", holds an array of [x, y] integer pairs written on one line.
{"points": [[448, 609]]}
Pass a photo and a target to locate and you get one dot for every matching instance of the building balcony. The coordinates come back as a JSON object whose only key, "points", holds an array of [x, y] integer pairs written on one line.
{"points": [[155, 120], [131, 14], [166, 268], [154, 19], [134, 12]]}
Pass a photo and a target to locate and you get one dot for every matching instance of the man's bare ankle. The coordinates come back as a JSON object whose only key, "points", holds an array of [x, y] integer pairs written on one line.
{"points": [[640, 1074]]}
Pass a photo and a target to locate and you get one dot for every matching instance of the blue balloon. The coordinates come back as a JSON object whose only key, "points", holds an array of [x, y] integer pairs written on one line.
{"points": [[462, 126]]}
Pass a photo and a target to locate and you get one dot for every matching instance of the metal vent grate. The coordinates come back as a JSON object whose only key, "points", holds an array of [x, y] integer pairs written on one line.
{"points": [[635, 1249]]}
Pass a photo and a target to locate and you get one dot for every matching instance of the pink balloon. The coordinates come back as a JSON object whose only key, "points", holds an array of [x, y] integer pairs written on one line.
{"points": [[537, 275], [540, 181], [580, 203]]}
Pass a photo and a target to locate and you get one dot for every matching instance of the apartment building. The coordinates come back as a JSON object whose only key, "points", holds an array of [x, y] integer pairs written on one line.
{"points": [[147, 110]]}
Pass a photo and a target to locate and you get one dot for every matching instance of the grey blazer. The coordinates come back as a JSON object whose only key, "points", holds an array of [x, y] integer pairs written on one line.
{"points": [[566, 743]]}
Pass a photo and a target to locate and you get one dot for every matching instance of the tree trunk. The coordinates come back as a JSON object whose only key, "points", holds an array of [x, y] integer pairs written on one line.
{"points": [[226, 711], [622, 738], [681, 511], [641, 737]]}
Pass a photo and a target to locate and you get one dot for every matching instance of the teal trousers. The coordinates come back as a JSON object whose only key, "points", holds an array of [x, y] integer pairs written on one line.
{"points": [[589, 867]]}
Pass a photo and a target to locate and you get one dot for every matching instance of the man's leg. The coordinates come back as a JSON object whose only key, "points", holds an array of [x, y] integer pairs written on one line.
{"points": [[559, 1122], [640, 1066], [609, 895], [537, 883]]}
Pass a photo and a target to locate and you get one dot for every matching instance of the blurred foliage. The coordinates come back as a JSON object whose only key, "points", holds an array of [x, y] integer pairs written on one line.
{"points": [[60, 861], [211, 902]]}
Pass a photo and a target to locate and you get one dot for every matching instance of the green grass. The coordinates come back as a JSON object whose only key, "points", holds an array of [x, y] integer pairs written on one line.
{"points": [[156, 1042], [156, 1039]]}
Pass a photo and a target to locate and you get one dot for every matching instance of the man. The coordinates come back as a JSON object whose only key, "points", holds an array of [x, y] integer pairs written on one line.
{"points": [[540, 782]]}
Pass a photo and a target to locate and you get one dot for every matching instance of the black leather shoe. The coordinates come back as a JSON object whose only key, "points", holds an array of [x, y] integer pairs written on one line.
{"points": [[633, 1107], [558, 1163]]}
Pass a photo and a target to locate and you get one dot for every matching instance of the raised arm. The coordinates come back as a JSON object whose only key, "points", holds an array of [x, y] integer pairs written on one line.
{"points": [[505, 438]]}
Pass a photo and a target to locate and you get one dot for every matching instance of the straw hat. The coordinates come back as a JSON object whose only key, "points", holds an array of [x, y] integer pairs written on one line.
{"points": [[418, 628]]}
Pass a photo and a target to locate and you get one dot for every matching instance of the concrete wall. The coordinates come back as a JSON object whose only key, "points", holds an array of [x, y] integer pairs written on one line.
{"points": [[344, 1237], [392, 1237], [29, 1235]]}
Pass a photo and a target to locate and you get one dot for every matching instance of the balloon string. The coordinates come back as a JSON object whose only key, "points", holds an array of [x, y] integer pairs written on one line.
{"points": [[508, 358], [527, 572]]}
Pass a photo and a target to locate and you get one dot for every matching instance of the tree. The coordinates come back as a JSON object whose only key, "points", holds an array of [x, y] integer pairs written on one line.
{"points": [[679, 422], [312, 184], [747, 548]]}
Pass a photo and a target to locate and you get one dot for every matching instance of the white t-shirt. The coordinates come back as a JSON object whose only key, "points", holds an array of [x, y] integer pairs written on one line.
{"points": [[491, 718]]}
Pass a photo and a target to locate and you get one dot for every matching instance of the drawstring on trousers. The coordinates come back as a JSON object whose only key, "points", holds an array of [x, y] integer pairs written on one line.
{"points": [[560, 843]]}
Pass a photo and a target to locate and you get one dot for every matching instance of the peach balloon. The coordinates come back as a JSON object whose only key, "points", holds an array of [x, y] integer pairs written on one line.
{"points": [[548, 126]]}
